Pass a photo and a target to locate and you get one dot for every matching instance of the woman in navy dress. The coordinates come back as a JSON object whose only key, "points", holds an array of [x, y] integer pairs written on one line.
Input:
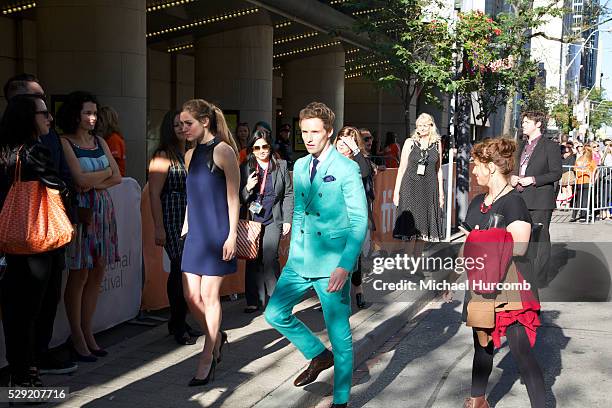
{"points": [[211, 223]]}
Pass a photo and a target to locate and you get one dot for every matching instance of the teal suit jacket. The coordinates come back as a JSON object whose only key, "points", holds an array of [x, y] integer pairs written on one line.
{"points": [[330, 216]]}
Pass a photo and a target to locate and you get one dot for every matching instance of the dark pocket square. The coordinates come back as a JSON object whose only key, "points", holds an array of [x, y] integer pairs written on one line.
{"points": [[328, 179]]}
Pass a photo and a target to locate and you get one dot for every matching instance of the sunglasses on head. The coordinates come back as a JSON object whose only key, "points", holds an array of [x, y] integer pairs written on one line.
{"points": [[262, 147]]}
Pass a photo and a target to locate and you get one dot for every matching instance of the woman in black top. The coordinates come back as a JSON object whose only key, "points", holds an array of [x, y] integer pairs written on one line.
{"points": [[494, 162], [25, 283], [266, 195], [350, 144]]}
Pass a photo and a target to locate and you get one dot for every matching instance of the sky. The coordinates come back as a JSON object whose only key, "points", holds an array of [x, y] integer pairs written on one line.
{"points": [[605, 45]]}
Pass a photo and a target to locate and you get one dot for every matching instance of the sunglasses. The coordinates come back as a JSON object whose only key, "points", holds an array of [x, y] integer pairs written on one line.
{"points": [[45, 113], [262, 147], [367, 139]]}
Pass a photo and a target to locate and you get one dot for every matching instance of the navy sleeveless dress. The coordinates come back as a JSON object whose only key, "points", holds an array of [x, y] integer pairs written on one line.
{"points": [[207, 215]]}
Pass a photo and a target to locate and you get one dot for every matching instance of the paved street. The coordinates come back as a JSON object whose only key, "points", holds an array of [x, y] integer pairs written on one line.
{"points": [[428, 362], [401, 361]]}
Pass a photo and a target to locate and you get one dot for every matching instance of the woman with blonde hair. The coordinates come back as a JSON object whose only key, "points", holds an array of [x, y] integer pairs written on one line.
{"points": [[419, 192], [107, 127], [350, 144], [211, 223]]}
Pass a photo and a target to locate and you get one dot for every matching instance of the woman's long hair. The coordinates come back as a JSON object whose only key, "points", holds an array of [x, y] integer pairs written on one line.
{"points": [[18, 125], [107, 123], [201, 109], [251, 160], [168, 141], [434, 136], [587, 156], [352, 132]]}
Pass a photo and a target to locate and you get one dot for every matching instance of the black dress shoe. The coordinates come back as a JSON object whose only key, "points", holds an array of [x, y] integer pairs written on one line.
{"points": [[196, 382], [318, 364], [185, 340], [251, 309], [361, 304], [339, 405]]}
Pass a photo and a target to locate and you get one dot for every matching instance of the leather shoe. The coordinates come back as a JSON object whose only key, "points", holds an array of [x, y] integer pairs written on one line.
{"points": [[318, 364], [476, 402], [338, 405]]}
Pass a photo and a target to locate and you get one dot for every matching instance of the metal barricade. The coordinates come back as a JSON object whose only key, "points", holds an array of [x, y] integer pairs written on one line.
{"points": [[576, 192], [602, 194]]}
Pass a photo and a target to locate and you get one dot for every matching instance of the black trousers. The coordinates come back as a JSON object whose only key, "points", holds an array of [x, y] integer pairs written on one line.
{"points": [[30, 291], [356, 277], [176, 297], [262, 273], [520, 349], [540, 254], [582, 199]]}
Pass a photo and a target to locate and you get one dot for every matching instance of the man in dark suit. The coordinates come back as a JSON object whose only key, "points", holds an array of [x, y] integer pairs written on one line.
{"points": [[538, 171]]}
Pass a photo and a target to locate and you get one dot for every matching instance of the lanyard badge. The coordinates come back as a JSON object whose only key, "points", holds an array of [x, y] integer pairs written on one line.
{"points": [[256, 206]]}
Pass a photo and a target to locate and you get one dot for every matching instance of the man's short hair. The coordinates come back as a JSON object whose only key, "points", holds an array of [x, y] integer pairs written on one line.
{"points": [[18, 85], [321, 111], [536, 116]]}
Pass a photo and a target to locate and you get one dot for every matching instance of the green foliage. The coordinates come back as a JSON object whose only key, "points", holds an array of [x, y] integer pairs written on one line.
{"points": [[480, 55], [540, 99], [564, 117], [600, 112]]}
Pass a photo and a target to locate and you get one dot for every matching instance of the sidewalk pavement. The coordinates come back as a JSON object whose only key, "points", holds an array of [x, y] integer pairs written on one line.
{"points": [[258, 367]]}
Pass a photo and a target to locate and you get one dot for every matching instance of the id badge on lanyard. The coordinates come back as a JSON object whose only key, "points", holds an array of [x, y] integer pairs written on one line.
{"points": [[256, 206]]}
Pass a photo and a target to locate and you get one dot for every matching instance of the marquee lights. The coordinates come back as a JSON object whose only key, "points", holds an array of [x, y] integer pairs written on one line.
{"points": [[162, 6], [295, 37], [306, 49], [282, 24], [372, 65], [209, 20], [180, 47], [17, 8], [370, 11]]}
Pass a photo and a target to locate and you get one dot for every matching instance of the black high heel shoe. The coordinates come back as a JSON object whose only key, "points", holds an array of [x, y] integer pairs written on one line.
{"points": [[223, 341], [196, 382], [99, 352], [79, 357]]}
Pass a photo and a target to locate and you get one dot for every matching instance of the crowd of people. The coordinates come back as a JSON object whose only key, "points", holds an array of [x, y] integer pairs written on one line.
{"points": [[203, 180]]}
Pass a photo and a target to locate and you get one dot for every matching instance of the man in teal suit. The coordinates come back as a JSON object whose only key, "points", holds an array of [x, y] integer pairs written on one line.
{"points": [[329, 225]]}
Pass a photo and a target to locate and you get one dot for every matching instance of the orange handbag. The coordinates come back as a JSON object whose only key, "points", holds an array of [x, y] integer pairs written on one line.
{"points": [[247, 242], [33, 218]]}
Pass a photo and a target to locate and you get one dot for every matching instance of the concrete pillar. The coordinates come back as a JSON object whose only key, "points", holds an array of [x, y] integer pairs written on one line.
{"points": [[99, 46], [233, 69], [315, 78], [380, 111]]}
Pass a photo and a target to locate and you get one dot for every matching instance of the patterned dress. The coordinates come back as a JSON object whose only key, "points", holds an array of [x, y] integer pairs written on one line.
{"points": [[98, 239], [173, 201], [419, 215]]}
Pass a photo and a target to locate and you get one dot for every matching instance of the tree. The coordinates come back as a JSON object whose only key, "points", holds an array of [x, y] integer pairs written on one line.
{"points": [[540, 99], [414, 47], [496, 64], [600, 112]]}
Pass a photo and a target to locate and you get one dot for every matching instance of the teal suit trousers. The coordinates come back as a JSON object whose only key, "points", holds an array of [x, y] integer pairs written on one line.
{"points": [[290, 290]]}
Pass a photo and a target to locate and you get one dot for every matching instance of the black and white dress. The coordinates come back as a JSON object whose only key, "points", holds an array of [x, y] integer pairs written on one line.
{"points": [[419, 215], [174, 200]]}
